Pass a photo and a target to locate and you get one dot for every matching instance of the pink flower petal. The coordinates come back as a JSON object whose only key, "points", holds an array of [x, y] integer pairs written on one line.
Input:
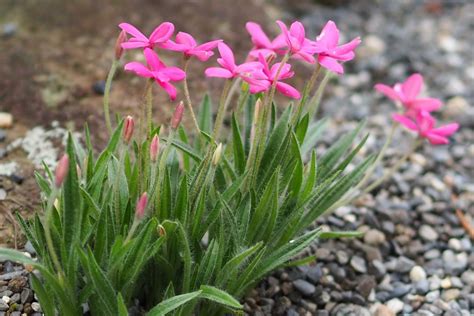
{"points": [[425, 121], [446, 130], [263, 51], [134, 44], [162, 33], [258, 36], [436, 139], [348, 47], [285, 72], [405, 121], [249, 67], [425, 104], [170, 45], [412, 86], [186, 39], [169, 88], [387, 91], [218, 72], [309, 58], [284, 31], [297, 31], [329, 36], [132, 30], [209, 45], [139, 69], [288, 90], [152, 59], [202, 55], [331, 64], [227, 55], [173, 73]]}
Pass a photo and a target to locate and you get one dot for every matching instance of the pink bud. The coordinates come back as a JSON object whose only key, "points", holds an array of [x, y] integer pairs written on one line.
{"points": [[118, 44], [154, 148], [128, 129], [141, 206], [61, 170], [177, 115]]}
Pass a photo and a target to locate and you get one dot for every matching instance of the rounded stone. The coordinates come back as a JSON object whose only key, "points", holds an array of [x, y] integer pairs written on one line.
{"points": [[395, 305], [417, 273], [374, 237], [428, 233]]}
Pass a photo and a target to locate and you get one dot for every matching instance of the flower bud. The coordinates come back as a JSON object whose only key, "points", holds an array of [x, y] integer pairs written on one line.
{"points": [[161, 231], [128, 129], [154, 148], [141, 206], [177, 115], [118, 44], [217, 155], [61, 170]]}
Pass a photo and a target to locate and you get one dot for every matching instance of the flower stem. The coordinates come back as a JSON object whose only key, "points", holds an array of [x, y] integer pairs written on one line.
{"points": [[394, 168], [188, 97], [316, 99], [108, 86], [149, 106], [221, 111]]}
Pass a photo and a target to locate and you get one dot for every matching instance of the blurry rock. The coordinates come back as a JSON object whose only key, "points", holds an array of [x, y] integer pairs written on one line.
{"points": [[99, 87], [6, 120], [3, 135], [9, 29]]}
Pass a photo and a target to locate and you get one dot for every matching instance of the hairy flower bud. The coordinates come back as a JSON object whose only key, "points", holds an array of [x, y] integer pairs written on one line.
{"points": [[118, 44], [177, 115], [154, 148], [141, 206], [61, 170], [128, 129], [217, 155]]}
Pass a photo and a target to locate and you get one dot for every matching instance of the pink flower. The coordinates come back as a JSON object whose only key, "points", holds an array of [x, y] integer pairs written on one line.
{"points": [[177, 115], [141, 206], [424, 125], [299, 46], [158, 71], [161, 34], [61, 171], [128, 128], [330, 53], [228, 67], [263, 83], [262, 44], [407, 93], [187, 44]]}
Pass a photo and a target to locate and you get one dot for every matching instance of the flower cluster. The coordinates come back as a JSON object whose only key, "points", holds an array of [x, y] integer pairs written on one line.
{"points": [[260, 71], [417, 111]]}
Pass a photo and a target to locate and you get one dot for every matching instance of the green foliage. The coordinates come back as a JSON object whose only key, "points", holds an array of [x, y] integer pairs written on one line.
{"points": [[213, 227]]}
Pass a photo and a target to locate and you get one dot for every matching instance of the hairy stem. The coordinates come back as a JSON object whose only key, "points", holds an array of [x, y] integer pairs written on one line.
{"points": [[188, 97], [149, 106], [316, 99], [221, 111], [108, 86]]}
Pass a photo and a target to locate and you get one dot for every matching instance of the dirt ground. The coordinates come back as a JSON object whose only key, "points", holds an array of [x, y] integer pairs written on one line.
{"points": [[59, 49]]}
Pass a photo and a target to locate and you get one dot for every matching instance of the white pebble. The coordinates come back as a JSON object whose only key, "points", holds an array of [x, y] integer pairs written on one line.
{"points": [[455, 244], [417, 273], [36, 306], [6, 120], [6, 299], [395, 305]]}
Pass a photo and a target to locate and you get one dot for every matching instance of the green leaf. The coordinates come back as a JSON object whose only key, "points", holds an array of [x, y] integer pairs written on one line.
{"points": [[172, 303], [301, 262], [238, 147], [44, 297], [122, 308], [205, 115], [72, 211], [338, 234], [314, 132], [219, 296], [105, 292], [335, 152]]}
